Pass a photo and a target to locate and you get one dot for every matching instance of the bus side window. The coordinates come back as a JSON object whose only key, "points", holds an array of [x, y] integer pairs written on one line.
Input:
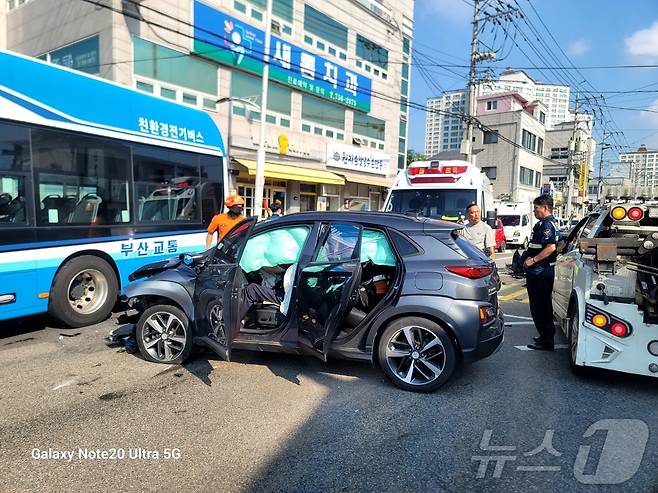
{"points": [[14, 165], [211, 188], [166, 183], [80, 179]]}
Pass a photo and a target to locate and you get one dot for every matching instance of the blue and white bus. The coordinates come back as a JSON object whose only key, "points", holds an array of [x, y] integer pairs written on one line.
{"points": [[95, 180]]}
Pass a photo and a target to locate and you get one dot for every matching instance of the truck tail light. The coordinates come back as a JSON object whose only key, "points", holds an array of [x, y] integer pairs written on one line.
{"points": [[470, 271], [635, 213], [618, 329], [606, 322], [618, 213]]}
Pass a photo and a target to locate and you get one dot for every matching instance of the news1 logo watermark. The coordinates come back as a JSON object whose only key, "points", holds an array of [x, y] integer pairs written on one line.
{"points": [[618, 460]]}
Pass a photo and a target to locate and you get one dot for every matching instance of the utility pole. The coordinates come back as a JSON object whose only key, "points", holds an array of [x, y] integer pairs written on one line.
{"points": [[472, 74], [477, 57], [604, 146], [260, 160]]}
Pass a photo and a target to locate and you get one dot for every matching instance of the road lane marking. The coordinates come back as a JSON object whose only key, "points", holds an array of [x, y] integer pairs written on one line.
{"points": [[557, 346], [65, 384], [530, 322], [518, 316], [511, 296]]}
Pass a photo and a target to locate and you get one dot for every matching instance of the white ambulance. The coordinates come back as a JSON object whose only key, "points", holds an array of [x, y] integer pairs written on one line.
{"points": [[440, 190]]}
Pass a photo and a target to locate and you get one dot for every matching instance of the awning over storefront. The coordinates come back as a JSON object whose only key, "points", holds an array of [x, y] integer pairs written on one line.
{"points": [[293, 172], [368, 179]]}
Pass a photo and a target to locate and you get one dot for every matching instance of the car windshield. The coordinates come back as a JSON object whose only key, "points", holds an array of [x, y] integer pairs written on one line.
{"points": [[437, 204], [510, 220]]}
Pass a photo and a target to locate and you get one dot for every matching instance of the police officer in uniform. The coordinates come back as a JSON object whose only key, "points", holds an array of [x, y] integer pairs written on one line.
{"points": [[539, 266]]}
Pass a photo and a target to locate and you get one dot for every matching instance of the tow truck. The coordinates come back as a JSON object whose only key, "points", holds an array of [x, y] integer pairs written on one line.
{"points": [[605, 296]]}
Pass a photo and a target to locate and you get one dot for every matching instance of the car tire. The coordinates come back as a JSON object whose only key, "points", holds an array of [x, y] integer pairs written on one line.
{"points": [[164, 335], [433, 355], [574, 331], [84, 291], [503, 247]]}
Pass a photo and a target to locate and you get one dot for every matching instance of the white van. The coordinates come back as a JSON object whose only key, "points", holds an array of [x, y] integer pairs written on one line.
{"points": [[518, 220], [440, 190]]}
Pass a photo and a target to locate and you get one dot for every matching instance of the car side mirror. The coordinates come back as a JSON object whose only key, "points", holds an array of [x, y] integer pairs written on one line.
{"points": [[492, 217]]}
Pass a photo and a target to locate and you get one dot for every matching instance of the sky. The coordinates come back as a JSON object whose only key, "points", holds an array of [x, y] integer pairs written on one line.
{"points": [[591, 32]]}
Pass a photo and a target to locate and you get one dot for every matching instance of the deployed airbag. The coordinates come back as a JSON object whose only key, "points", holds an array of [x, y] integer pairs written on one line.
{"points": [[278, 247]]}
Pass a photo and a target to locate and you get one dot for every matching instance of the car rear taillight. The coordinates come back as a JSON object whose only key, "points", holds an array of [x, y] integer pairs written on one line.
{"points": [[635, 213], [487, 314], [470, 271]]}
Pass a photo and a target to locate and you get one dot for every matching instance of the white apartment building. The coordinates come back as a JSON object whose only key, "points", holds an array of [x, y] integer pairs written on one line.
{"points": [[338, 70], [642, 166], [444, 132], [440, 130], [554, 97]]}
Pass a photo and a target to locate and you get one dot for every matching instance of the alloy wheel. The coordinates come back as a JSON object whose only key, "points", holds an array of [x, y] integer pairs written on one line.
{"points": [[164, 336], [415, 355], [216, 320]]}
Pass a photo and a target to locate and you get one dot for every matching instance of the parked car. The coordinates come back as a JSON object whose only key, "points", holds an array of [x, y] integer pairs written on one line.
{"points": [[606, 288], [406, 293], [501, 241]]}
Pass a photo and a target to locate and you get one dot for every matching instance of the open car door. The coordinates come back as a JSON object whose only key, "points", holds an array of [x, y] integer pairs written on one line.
{"points": [[327, 287], [216, 293]]}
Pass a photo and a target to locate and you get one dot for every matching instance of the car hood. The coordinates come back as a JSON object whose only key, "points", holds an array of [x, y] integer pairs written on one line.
{"points": [[149, 270]]}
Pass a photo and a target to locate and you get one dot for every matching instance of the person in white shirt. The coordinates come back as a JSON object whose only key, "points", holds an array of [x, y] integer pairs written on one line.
{"points": [[478, 232]]}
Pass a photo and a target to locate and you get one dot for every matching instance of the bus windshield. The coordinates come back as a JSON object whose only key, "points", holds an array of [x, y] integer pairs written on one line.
{"points": [[510, 220], [438, 204]]}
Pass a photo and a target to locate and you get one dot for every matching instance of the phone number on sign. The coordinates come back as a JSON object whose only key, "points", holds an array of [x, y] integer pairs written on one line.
{"points": [[133, 453]]}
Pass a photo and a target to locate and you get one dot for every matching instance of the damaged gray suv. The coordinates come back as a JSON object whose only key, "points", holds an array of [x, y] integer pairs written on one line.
{"points": [[407, 294]]}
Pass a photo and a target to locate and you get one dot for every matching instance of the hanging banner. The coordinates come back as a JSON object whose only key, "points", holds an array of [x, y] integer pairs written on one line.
{"points": [[231, 41], [582, 179]]}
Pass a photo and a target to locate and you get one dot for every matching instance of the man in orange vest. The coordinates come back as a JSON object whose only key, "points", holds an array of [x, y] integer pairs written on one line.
{"points": [[222, 223]]}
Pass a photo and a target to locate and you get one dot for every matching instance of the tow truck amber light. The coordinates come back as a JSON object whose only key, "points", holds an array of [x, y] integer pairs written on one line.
{"points": [[471, 272], [635, 214], [618, 213], [618, 329], [599, 320]]}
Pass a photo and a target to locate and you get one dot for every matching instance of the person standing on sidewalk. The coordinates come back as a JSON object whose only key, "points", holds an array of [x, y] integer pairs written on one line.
{"points": [[539, 266], [478, 232]]}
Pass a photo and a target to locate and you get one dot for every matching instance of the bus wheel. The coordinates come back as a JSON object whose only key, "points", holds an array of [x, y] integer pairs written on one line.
{"points": [[84, 291]]}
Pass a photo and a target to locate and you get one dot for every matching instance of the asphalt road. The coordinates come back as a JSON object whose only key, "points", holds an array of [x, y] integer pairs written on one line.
{"points": [[280, 423]]}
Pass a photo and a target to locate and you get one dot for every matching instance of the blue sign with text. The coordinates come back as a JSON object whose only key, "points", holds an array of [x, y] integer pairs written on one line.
{"points": [[232, 42]]}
